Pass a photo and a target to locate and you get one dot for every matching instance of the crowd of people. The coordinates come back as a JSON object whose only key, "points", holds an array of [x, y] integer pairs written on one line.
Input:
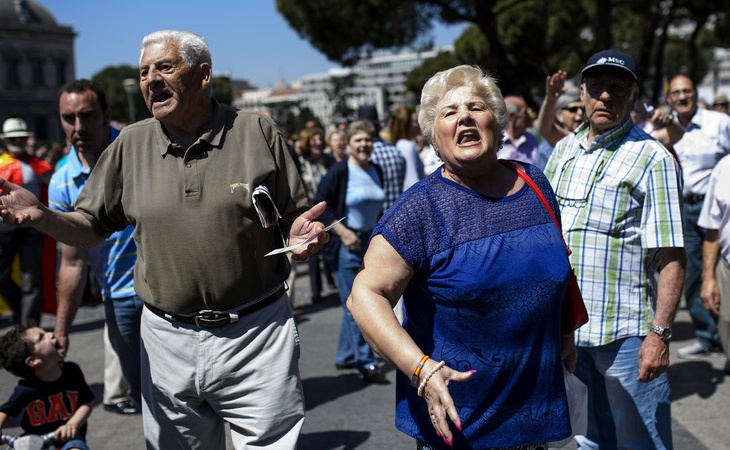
{"points": [[448, 251]]}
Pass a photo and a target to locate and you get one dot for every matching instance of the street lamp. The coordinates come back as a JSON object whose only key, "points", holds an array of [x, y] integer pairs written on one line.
{"points": [[130, 87]]}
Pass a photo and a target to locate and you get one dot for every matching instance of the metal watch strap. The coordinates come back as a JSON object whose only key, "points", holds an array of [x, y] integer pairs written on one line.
{"points": [[664, 333]]}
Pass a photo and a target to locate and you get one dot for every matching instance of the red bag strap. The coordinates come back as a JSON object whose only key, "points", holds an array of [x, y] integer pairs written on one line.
{"points": [[526, 178]]}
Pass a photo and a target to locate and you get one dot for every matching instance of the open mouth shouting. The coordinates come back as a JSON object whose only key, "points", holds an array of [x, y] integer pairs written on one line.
{"points": [[160, 98], [468, 137]]}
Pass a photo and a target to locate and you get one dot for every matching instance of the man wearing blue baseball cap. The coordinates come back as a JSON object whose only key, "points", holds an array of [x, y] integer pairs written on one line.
{"points": [[620, 199]]}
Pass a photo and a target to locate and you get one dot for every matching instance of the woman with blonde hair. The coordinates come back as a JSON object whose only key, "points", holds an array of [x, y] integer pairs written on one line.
{"points": [[483, 272]]}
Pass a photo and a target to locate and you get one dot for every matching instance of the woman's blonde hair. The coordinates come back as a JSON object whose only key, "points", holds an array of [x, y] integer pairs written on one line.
{"points": [[461, 76]]}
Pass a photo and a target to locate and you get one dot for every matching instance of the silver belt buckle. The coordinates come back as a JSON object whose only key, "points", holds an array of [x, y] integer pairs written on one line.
{"points": [[204, 320]]}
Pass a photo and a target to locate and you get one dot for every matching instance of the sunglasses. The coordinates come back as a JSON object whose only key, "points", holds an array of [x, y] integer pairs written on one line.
{"points": [[573, 109]]}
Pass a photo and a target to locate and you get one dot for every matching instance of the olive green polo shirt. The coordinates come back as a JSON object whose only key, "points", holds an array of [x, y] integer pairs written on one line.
{"points": [[200, 243]]}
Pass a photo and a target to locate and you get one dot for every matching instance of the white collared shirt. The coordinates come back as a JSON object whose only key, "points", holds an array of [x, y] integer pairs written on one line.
{"points": [[715, 213], [706, 140]]}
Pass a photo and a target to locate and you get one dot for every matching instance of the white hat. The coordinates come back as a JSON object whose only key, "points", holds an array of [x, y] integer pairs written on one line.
{"points": [[15, 128], [720, 99]]}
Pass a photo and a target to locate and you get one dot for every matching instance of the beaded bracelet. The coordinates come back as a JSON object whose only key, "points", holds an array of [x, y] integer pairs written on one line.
{"points": [[417, 372], [422, 386]]}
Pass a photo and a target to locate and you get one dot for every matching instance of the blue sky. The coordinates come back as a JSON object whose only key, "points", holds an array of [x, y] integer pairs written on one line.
{"points": [[248, 38]]}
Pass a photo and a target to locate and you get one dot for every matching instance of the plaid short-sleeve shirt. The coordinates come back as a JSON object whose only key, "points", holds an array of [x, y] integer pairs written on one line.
{"points": [[620, 201], [393, 164]]}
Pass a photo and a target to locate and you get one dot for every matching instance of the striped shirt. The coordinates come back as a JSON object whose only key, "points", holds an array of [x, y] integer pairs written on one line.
{"points": [[619, 201], [113, 260]]}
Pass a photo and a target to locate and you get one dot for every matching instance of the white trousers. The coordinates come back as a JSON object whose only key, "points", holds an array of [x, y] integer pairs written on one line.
{"points": [[245, 373], [116, 388]]}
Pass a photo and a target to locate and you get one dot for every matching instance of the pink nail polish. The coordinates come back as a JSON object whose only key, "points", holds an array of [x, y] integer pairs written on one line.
{"points": [[437, 433], [472, 371], [458, 427], [448, 442]]}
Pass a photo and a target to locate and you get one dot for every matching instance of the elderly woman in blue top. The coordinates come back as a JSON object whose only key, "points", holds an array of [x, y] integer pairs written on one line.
{"points": [[483, 271], [352, 188]]}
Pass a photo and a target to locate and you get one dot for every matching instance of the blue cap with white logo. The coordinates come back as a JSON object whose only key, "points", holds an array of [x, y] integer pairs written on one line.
{"points": [[611, 58]]}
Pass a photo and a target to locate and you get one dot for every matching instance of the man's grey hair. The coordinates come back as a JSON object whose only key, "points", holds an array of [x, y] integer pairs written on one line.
{"points": [[193, 49]]}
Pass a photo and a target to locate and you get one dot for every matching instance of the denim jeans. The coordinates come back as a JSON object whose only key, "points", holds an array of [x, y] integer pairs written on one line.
{"points": [[352, 348], [705, 323], [123, 317], [420, 445], [75, 444], [623, 412]]}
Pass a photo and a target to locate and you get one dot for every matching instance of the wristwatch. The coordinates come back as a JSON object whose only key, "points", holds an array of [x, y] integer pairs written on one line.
{"points": [[665, 333]]}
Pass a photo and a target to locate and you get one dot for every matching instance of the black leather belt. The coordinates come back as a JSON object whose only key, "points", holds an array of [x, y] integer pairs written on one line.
{"points": [[693, 199], [214, 319]]}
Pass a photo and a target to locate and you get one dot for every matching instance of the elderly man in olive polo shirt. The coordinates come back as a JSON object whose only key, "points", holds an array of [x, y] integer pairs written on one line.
{"points": [[210, 191]]}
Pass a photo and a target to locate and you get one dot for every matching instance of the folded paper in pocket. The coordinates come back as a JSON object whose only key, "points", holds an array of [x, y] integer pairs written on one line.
{"points": [[265, 207]]}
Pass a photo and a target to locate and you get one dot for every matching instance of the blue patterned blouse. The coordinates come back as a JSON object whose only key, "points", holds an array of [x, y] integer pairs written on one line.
{"points": [[489, 278]]}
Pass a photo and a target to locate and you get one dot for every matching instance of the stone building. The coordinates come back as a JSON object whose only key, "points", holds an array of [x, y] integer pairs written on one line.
{"points": [[36, 59]]}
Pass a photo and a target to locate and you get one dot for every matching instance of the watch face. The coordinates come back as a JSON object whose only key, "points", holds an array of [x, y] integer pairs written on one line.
{"points": [[665, 333]]}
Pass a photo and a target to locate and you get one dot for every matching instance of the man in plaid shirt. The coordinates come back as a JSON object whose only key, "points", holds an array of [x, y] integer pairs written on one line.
{"points": [[620, 198]]}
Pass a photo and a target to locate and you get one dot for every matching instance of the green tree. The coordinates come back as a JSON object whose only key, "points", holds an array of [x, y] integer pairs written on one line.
{"points": [[291, 117], [329, 25], [698, 15], [514, 32], [419, 75], [521, 41], [111, 79], [222, 89], [337, 95]]}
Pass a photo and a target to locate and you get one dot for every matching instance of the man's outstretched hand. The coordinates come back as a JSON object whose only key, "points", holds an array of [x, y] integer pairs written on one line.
{"points": [[303, 228], [17, 205]]}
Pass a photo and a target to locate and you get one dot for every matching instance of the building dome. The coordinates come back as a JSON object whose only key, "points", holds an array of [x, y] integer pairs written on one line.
{"points": [[24, 12], [36, 59]]}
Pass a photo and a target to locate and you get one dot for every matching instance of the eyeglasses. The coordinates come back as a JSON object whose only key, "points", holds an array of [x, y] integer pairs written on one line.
{"points": [[616, 87], [572, 109]]}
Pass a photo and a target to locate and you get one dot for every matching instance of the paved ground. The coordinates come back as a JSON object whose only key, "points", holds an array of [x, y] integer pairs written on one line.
{"points": [[345, 413]]}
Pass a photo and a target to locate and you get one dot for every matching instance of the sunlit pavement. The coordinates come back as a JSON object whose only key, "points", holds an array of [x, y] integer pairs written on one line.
{"points": [[346, 413]]}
